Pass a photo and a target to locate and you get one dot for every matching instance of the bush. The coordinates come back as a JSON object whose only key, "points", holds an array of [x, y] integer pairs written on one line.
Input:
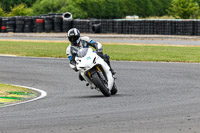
{"points": [[2, 13], [74, 8], [184, 9], [7, 5], [102, 9], [48, 6], [116, 8], [21, 10]]}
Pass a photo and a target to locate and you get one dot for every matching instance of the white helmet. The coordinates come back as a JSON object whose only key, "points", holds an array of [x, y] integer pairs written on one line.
{"points": [[74, 36]]}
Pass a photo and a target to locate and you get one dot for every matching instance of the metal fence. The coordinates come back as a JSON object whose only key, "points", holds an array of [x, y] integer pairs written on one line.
{"points": [[56, 23]]}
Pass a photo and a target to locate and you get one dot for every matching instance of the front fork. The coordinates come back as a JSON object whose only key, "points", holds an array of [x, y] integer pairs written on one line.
{"points": [[88, 76]]}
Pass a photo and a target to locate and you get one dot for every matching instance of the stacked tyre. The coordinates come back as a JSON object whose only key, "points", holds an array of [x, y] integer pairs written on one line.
{"points": [[39, 25], [196, 27], [10, 25], [67, 25], [19, 24], [96, 26], [86, 26], [34, 23], [104, 26], [67, 21], [58, 20], [48, 24], [4, 25], [28, 25], [118, 27]]}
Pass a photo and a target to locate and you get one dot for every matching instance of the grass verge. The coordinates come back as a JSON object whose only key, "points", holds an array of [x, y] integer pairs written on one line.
{"points": [[116, 51], [12, 94]]}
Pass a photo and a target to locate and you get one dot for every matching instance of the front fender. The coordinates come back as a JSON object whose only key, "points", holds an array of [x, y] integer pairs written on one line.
{"points": [[107, 71]]}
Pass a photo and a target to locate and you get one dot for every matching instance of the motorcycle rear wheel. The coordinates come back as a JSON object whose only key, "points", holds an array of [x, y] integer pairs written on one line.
{"points": [[99, 83]]}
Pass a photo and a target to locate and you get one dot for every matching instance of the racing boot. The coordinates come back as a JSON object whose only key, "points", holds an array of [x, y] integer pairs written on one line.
{"points": [[107, 60], [112, 71]]}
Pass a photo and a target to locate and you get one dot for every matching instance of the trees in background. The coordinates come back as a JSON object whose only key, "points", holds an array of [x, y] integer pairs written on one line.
{"points": [[20, 10], [2, 12], [48, 6], [7, 5], [184, 9], [102, 9], [116, 8]]}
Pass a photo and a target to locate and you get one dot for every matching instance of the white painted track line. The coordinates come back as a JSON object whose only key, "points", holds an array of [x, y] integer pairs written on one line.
{"points": [[43, 94]]}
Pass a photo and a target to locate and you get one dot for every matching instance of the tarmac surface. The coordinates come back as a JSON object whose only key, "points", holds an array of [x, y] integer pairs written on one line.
{"points": [[153, 97], [109, 38]]}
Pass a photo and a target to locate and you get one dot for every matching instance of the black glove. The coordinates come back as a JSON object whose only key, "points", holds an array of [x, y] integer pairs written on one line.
{"points": [[75, 69], [72, 62], [100, 54]]}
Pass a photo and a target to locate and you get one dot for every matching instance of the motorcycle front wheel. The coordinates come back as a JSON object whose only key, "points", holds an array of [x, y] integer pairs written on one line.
{"points": [[99, 83]]}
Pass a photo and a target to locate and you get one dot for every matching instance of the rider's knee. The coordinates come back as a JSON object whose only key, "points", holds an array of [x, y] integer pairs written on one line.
{"points": [[106, 58]]}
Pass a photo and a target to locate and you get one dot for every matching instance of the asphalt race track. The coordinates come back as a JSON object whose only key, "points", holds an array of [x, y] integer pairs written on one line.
{"points": [[152, 98], [116, 40], [136, 39]]}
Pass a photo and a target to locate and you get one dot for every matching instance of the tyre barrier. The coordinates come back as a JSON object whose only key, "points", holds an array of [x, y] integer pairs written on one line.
{"points": [[19, 24], [67, 16], [34, 23], [39, 25], [4, 25], [0, 23], [54, 22], [67, 25], [96, 28], [67, 21], [48, 24], [196, 27], [58, 21], [10, 25], [28, 25], [84, 26]]}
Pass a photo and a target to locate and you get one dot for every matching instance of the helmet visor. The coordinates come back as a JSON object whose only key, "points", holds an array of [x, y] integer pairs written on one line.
{"points": [[73, 39]]}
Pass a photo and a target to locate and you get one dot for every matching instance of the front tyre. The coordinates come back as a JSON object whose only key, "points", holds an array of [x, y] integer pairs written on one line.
{"points": [[99, 83], [114, 89]]}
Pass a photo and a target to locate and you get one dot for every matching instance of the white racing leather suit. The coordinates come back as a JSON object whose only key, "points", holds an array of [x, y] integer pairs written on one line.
{"points": [[85, 42]]}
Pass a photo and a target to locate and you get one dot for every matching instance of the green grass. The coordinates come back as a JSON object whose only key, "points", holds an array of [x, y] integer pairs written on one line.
{"points": [[6, 89], [154, 53], [116, 52], [12, 94], [34, 49]]}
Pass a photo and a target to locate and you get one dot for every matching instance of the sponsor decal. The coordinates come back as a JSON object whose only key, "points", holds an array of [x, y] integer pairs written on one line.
{"points": [[88, 58]]}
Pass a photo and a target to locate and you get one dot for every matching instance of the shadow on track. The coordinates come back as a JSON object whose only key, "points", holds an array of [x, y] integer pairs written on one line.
{"points": [[98, 96]]}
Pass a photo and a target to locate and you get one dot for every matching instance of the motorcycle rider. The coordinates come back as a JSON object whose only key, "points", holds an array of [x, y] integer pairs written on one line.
{"points": [[77, 42]]}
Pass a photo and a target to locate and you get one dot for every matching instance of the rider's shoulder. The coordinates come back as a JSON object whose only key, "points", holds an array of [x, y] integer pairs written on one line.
{"points": [[86, 38], [69, 46], [68, 49]]}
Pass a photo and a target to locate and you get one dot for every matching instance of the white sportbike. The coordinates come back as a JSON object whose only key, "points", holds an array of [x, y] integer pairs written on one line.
{"points": [[95, 71]]}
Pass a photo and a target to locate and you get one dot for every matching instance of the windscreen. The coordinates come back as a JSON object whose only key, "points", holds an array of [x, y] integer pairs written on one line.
{"points": [[82, 52]]}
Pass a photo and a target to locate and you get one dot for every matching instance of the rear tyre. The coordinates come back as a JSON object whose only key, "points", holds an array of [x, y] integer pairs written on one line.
{"points": [[100, 84]]}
